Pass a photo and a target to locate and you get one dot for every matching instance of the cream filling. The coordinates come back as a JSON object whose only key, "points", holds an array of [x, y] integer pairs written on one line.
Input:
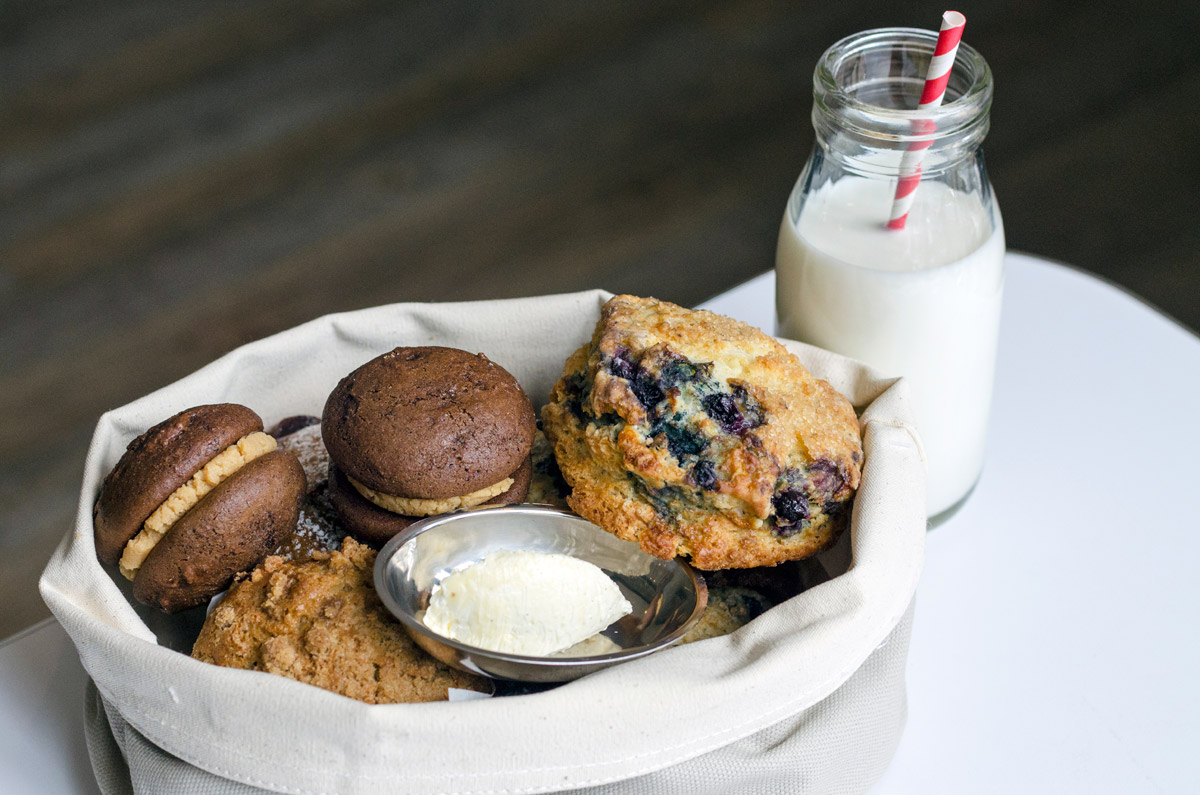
{"points": [[180, 501], [412, 506]]}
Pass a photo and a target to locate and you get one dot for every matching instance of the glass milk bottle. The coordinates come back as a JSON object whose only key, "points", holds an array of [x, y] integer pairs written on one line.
{"points": [[921, 302]]}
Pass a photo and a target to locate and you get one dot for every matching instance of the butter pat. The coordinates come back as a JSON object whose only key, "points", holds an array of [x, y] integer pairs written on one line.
{"points": [[521, 602]]}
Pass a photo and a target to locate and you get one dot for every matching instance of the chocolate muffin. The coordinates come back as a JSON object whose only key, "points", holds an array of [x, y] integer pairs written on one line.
{"points": [[423, 431], [196, 499]]}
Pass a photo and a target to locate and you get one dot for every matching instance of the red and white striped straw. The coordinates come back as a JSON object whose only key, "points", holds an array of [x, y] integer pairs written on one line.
{"points": [[931, 97]]}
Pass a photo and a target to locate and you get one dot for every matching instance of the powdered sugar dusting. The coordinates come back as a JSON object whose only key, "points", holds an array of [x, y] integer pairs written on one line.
{"points": [[307, 446]]}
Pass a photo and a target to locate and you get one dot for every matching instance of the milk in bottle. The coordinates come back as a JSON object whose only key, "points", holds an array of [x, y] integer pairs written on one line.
{"points": [[922, 302], [918, 302]]}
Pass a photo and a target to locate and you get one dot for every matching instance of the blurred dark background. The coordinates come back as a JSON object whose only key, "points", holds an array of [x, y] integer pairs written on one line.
{"points": [[180, 178]]}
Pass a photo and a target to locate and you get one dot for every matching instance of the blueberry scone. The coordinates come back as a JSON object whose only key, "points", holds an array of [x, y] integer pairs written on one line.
{"points": [[694, 434]]}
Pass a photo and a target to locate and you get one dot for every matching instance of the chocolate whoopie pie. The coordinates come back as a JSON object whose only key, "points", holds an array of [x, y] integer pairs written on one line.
{"points": [[423, 431], [195, 500], [373, 525]]}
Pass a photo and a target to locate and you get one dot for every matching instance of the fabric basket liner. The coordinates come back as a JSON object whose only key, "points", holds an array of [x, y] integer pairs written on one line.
{"points": [[624, 724]]}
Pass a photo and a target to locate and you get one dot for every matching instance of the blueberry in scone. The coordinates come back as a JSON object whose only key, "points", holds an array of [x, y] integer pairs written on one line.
{"points": [[694, 434]]}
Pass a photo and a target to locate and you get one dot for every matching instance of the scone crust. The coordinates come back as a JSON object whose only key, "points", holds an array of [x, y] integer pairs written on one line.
{"points": [[694, 434], [322, 623], [159, 461], [428, 423]]}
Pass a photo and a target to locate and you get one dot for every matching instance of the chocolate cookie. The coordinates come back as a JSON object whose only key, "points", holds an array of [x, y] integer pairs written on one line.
{"points": [[373, 525], [318, 529], [230, 530], [304, 441], [195, 500], [157, 463], [290, 425], [428, 423]]}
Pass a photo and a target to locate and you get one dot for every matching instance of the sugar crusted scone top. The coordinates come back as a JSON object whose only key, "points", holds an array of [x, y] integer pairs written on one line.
{"points": [[212, 474], [787, 417]]}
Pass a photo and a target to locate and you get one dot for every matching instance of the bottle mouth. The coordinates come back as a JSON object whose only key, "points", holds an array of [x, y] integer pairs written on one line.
{"points": [[868, 85]]}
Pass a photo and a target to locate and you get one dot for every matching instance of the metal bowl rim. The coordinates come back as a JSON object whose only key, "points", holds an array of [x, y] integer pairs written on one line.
{"points": [[388, 551]]}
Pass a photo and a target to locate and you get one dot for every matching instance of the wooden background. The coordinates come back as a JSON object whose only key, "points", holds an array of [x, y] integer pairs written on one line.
{"points": [[178, 178]]}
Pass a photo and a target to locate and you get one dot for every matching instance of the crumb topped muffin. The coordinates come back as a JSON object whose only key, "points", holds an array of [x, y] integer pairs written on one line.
{"points": [[694, 434]]}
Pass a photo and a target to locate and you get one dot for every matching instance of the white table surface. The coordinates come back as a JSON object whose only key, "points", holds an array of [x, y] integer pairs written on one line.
{"points": [[1055, 646]]}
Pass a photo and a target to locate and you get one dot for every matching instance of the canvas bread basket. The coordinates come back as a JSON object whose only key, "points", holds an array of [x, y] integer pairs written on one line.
{"points": [[807, 698]]}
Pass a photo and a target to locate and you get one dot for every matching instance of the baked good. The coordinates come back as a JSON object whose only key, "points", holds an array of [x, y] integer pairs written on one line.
{"points": [[694, 434], [729, 608], [193, 501], [547, 486], [423, 431], [374, 525], [301, 435], [317, 528], [776, 583], [322, 623], [291, 425]]}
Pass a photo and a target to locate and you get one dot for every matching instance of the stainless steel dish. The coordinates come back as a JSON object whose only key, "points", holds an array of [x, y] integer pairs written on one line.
{"points": [[668, 597]]}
